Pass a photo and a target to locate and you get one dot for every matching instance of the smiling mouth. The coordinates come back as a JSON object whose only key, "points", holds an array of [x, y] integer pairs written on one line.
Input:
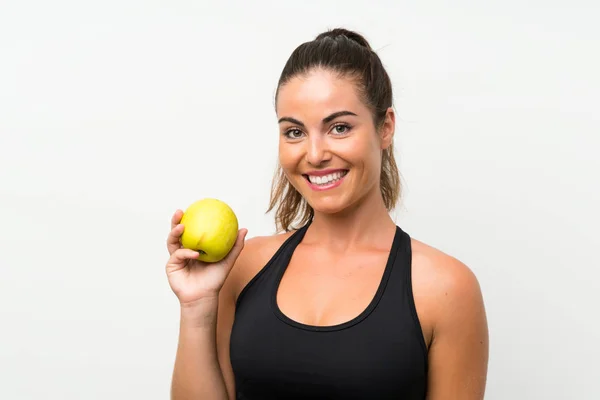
{"points": [[326, 179]]}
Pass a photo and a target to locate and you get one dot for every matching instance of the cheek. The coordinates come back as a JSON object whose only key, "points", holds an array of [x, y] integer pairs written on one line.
{"points": [[288, 156], [362, 153], [367, 161]]}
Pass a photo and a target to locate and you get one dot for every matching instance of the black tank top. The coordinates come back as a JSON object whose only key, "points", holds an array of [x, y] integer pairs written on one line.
{"points": [[380, 354]]}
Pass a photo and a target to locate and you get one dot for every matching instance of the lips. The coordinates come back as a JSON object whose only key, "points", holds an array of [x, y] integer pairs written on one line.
{"points": [[325, 179]]}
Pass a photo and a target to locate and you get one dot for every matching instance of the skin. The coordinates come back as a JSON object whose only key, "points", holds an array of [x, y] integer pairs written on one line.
{"points": [[335, 270]]}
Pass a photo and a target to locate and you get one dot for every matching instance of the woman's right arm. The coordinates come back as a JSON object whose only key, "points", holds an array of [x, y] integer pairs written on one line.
{"points": [[204, 303], [197, 372]]}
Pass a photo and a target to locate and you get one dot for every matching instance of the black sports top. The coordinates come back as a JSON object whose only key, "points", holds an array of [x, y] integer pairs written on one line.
{"points": [[380, 354]]}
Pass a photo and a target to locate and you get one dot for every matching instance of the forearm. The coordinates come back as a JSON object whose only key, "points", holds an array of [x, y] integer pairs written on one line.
{"points": [[197, 374]]}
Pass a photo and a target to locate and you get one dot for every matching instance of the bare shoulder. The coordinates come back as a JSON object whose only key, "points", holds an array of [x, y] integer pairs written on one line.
{"points": [[255, 255], [445, 273], [443, 286], [451, 308]]}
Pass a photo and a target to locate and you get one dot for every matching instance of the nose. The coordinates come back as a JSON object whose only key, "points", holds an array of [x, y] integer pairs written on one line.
{"points": [[317, 152]]}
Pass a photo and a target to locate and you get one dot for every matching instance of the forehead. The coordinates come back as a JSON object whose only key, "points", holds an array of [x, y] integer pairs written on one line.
{"points": [[318, 92]]}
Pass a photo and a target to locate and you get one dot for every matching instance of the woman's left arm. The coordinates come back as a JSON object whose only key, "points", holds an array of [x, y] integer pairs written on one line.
{"points": [[458, 353]]}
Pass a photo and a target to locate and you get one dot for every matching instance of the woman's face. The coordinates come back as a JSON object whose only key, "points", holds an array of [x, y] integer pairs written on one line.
{"points": [[329, 148]]}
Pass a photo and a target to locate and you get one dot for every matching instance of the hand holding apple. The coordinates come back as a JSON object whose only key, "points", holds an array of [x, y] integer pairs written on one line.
{"points": [[203, 244]]}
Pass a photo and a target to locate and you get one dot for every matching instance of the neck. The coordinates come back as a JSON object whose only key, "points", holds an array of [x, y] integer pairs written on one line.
{"points": [[364, 223]]}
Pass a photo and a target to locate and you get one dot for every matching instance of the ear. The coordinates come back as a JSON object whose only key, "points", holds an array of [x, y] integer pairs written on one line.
{"points": [[388, 128]]}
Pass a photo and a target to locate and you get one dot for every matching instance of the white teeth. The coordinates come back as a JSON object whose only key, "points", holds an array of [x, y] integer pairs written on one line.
{"points": [[327, 179]]}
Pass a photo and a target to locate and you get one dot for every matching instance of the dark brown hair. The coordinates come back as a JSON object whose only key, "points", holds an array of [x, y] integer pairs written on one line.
{"points": [[349, 55]]}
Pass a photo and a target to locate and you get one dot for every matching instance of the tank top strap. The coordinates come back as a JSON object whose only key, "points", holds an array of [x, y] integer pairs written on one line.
{"points": [[289, 246], [399, 279], [400, 287], [278, 261]]}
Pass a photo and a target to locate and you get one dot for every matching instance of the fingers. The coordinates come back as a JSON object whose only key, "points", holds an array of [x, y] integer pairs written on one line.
{"points": [[176, 218], [182, 255], [179, 259], [173, 238], [237, 247]]}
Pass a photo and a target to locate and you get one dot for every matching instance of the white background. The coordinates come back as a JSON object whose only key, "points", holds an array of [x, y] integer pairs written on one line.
{"points": [[115, 113]]}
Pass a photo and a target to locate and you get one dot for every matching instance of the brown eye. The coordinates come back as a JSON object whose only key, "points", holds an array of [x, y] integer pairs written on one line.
{"points": [[341, 129], [294, 133]]}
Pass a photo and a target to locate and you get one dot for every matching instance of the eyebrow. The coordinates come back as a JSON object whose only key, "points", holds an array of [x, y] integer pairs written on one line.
{"points": [[326, 120]]}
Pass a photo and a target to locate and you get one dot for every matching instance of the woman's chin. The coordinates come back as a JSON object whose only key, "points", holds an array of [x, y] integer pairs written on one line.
{"points": [[329, 206]]}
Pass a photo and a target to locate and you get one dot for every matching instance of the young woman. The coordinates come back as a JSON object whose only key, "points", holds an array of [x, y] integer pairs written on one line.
{"points": [[343, 304]]}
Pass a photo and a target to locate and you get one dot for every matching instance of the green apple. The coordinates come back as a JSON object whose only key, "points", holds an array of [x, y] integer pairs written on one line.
{"points": [[210, 227]]}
